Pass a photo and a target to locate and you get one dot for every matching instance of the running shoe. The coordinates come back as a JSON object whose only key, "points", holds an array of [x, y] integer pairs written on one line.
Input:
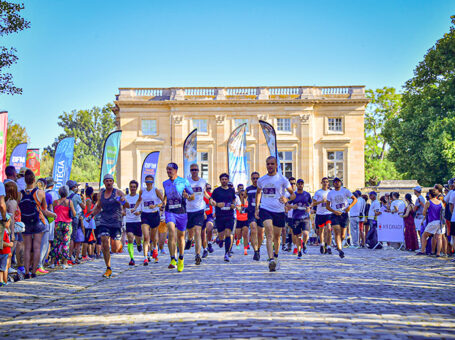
{"points": [[272, 265], [41, 271], [180, 265], [27, 276], [305, 251], [237, 243], [149, 259], [155, 253], [139, 247], [205, 253], [299, 256], [341, 253], [146, 262], [162, 252], [188, 244], [295, 251], [108, 273], [210, 248], [172, 264], [256, 256], [245, 251], [132, 263], [230, 253], [65, 266], [329, 251], [198, 259], [322, 249], [226, 258]]}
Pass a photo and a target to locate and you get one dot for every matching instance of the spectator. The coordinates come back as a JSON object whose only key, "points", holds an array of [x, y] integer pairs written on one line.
{"points": [[418, 209], [432, 211], [12, 197], [397, 206], [41, 184], [364, 226], [78, 232], [410, 234], [354, 218], [5, 254], [10, 173], [21, 179]]}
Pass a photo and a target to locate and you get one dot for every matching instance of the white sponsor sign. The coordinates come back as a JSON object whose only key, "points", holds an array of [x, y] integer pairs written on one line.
{"points": [[390, 228]]}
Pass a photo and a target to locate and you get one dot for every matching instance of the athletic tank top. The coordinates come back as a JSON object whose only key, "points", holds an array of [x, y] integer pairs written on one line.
{"points": [[111, 215], [150, 198]]}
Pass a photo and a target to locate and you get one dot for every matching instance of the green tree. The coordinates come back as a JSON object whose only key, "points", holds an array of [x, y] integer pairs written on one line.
{"points": [[10, 22], [384, 104], [89, 128], [422, 135], [16, 134]]}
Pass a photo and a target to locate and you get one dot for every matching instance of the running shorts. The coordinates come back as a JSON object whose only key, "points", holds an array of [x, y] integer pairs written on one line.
{"points": [[241, 224], [113, 233], [300, 225], [223, 223], [322, 220], [278, 219], [341, 220], [151, 219], [180, 220], [134, 228], [195, 218]]}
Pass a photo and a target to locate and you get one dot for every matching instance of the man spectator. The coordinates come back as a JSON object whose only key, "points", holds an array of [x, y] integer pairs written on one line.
{"points": [[21, 179], [418, 208], [354, 216], [10, 173]]}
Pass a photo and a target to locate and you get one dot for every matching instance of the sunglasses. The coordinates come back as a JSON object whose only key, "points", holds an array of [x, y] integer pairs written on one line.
{"points": [[194, 170], [253, 178], [292, 183], [209, 188]]}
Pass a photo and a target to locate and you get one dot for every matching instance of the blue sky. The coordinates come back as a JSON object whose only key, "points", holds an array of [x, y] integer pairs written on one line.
{"points": [[78, 53]]}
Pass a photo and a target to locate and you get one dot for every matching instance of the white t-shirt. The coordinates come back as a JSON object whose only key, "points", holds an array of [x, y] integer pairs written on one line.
{"points": [[401, 206], [339, 199], [149, 198], [198, 203], [321, 207], [452, 201], [374, 206], [130, 217], [21, 184], [273, 187]]}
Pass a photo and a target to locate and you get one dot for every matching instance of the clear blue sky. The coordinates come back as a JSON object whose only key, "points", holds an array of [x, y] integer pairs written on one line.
{"points": [[78, 53]]}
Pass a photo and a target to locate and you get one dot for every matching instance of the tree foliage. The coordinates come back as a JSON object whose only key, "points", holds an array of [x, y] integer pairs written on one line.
{"points": [[422, 135], [15, 135], [384, 104], [89, 129], [10, 22]]}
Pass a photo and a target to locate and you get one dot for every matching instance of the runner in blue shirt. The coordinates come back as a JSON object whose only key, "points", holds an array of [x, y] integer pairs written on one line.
{"points": [[176, 191]]}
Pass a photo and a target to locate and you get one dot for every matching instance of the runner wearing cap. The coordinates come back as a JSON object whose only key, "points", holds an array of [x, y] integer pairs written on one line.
{"points": [[109, 206], [207, 228], [149, 203], [337, 203], [322, 221], [176, 191], [272, 188], [301, 226]]}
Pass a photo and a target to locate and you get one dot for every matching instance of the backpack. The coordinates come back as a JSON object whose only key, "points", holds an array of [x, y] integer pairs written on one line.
{"points": [[29, 207]]}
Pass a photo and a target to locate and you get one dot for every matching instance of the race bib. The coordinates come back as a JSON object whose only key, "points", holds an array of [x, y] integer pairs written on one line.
{"points": [[339, 206], [175, 204], [132, 205], [269, 192], [197, 191], [227, 206], [148, 203], [323, 205]]}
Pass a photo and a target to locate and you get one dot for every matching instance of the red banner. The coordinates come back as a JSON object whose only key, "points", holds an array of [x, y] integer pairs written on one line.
{"points": [[32, 162], [3, 131]]}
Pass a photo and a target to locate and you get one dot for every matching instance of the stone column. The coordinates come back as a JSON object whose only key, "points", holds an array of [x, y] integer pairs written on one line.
{"points": [[178, 137], [220, 153], [305, 150]]}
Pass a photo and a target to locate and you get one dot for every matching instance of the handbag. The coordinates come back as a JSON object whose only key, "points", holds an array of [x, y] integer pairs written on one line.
{"points": [[19, 227]]}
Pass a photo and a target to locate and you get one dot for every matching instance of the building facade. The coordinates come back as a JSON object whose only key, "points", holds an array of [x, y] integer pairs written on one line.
{"points": [[320, 130]]}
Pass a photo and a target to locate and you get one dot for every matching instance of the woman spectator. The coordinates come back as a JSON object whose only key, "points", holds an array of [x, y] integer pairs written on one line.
{"points": [[365, 224], [434, 226], [63, 228], [33, 209], [11, 198], [410, 234]]}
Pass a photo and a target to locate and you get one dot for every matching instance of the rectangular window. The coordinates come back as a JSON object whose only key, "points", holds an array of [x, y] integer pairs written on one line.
{"points": [[240, 121], [286, 163], [284, 124], [149, 127], [335, 125], [335, 165], [200, 125], [203, 161]]}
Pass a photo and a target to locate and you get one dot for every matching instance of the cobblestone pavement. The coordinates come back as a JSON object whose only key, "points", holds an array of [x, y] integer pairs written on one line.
{"points": [[369, 294]]}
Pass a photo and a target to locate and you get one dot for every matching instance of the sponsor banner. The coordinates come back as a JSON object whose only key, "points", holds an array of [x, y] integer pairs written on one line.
{"points": [[149, 167], [390, 228], [3, 132], [189, 152], [237, 156], [63, 161], [33, 161], [110, 155], [270, 138], [18, 156]]}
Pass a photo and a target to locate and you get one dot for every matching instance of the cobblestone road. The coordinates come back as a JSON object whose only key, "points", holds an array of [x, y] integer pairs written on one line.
{"points": [[369, 294]]}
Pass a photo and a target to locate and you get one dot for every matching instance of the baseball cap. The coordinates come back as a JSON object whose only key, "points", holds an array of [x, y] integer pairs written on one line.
{"points": [[71, 184], [418, 188], [337, 179], [373, 193], [300, 180], [108, 176], [50, 182], [23, 170]]}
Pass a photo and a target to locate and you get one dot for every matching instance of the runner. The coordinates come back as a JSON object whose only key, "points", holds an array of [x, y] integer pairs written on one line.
{"points": [[149, 203], [176, 191], [133, 221], [162, 232], [242, 220], [195, 210], [287, 244], [337, 203], [322, 221], [109, 206], [207, 228], [272, 205], [223, 199], [256, 227], [301, 207]]}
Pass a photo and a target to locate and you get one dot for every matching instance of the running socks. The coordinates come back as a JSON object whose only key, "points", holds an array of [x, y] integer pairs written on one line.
{"points": [[180, 257], [275, 255], [131, 250], [227, 244]]}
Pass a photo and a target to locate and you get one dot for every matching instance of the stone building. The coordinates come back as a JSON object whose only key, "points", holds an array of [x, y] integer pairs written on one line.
{"points": [[320, 130]]}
